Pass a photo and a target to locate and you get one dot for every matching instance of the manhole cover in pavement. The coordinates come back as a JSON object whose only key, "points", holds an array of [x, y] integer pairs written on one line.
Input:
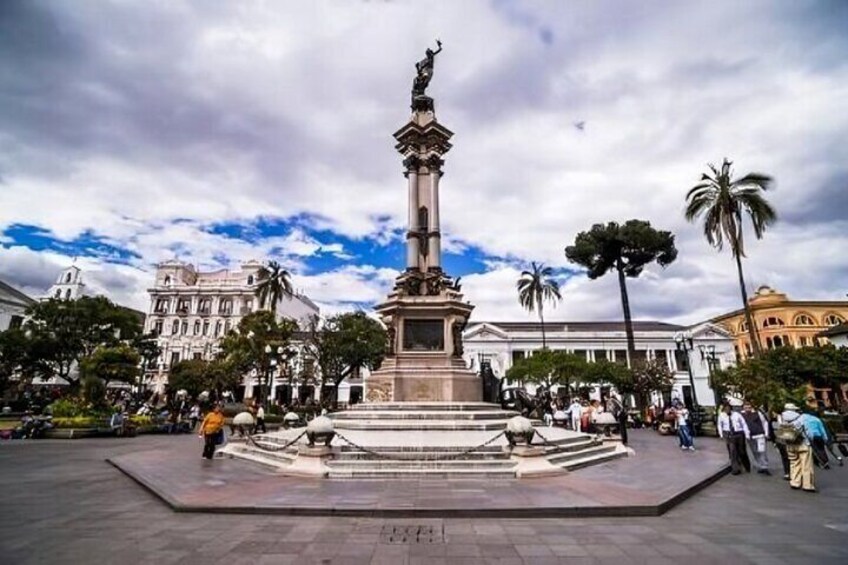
{"points": [[412, 534]]}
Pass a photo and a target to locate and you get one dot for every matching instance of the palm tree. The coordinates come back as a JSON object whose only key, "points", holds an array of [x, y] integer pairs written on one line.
{"points": [[274, 284], [722, 202], [535, 288]]}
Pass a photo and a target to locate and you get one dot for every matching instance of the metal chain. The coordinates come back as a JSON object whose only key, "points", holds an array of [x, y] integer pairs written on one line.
{"points": [[275, 449], [417, 458]]}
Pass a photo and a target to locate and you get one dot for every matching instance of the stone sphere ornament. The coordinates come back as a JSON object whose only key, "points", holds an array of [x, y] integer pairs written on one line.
{"points": [[290, 419], [320, 429], [519, 430], [243, 419]]}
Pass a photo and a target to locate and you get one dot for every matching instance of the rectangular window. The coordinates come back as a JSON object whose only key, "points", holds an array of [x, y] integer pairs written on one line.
{"points": [[157, 327], [640, 356], [619, 356], [516, 356], [580, 353], [175, 358], [16, 322], [206, 327], [682, 360], [197, 356], [661, 355], [423, 335], [600, 355]]}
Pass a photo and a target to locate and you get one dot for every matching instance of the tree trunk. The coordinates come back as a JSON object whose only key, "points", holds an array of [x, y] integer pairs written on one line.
{"points": [[625, 305], [749, 319], [542, 320]]}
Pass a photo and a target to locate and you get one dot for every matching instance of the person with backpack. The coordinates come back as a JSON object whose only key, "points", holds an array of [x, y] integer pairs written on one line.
{"points": [[817, 435], [776, 420], [792, 434]]}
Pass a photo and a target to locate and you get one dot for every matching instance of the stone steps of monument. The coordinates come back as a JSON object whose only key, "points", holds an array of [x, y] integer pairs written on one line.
{"points": [[423, 425], [272, 459], [426, 465], [552, 450], [445, 415], [439, 406], [566, 458], [594, 459], [406, 455], [373, 473]]}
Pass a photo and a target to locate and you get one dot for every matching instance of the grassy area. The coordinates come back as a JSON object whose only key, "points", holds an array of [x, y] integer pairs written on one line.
{"points": [[9, 424]]}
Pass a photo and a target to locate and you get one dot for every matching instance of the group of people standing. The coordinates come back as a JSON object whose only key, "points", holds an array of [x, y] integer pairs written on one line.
{"points": [[800, 439]]}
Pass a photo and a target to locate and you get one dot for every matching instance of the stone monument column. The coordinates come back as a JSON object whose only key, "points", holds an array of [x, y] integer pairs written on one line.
{"points": [[412, 247], [426, 312]]}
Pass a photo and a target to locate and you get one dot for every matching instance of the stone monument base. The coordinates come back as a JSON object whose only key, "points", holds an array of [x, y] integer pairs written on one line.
{"points": [[417, 377]]}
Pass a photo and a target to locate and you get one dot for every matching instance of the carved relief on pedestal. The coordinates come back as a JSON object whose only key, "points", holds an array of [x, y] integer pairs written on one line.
{"points": [[424, 391], [379, 392]]}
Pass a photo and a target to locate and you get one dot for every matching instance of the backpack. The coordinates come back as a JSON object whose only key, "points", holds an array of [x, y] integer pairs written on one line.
{"points": [[788, 434]]}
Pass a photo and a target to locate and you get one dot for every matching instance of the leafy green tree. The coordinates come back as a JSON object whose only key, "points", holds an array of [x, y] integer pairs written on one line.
{"points": [[120, 363], [190, 375], [274, 285], [626, 249], [345, 344], [94, 392], [547, 368], [254, 344], [14, 356], [535, 287], [613, 374], [62, 332], [723, 201], [643, 379], [782, 374]]}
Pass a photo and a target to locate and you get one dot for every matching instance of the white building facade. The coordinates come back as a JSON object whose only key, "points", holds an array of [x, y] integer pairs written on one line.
{"points": [[501, 344], [190, 311], [13, 305]]}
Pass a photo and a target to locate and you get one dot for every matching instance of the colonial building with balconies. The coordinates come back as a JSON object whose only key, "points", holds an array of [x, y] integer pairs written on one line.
{"points": [[190, 311]]}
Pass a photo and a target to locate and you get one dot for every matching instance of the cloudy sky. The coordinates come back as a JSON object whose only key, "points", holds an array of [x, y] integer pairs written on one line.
{"points": [[216, 132]]}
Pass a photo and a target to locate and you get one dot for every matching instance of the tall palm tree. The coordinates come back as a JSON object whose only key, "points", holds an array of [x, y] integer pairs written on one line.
{"points": [[274, 284], [535, 287], [722, 201]]}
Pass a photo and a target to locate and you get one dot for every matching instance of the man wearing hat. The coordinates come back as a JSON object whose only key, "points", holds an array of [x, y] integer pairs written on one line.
{"points": [[799, 453]]}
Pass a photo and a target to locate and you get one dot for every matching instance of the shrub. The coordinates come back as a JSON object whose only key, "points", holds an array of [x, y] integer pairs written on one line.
{"points": [[76, 422], [94, 391], [66, 408]]}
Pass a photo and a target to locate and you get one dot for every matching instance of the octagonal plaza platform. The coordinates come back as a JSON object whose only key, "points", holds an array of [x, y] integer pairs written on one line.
{"points": [[653, 479], [425, 440]]}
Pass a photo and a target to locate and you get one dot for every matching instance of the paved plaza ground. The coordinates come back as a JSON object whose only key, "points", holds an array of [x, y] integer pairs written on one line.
{"points": [[62, 503]]}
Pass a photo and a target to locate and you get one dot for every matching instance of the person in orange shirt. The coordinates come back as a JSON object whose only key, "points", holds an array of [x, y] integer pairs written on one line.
{"points": [[212, 426]]}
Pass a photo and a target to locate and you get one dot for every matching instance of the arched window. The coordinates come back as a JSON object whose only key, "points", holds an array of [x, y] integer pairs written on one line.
{"points": [[743, 326], [197, 327], [804, 320], [58, 293], [175, 327], [833, 320], [167, 280], [184, 328], [68, 294], [773, 321], [68, 278], [226, 306], [249, 279]]}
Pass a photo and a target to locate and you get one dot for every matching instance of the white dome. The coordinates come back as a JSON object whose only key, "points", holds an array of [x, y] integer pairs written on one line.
{"points": [[291, 417]]}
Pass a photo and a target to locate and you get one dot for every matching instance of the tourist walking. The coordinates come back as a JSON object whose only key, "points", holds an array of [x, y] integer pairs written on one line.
{"points": [[758, 427], [817, 434], [576, 411], [684, 432], [734, 430], [616, 407], [194, 415], [797, 449], [212, 431], [260, 420]]}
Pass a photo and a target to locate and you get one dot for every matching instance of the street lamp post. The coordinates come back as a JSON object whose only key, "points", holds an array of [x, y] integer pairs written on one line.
{"points": [[708, 354], [685, 344]]}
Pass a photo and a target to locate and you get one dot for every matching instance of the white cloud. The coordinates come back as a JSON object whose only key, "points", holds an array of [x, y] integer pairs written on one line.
{"points": [[236, 112]]}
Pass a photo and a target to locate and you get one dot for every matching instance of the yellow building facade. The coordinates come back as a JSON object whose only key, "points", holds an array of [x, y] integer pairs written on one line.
{"points": [[782, 322]]}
